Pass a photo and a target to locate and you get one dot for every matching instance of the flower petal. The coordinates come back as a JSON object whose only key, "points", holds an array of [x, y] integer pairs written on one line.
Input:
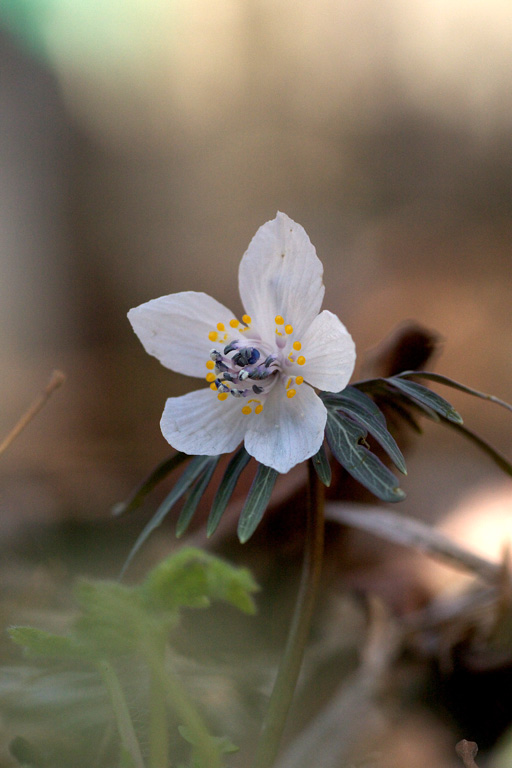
{"points": [[200, 424], [288, 430], [330, 353], [175, 329], [280, 274]]}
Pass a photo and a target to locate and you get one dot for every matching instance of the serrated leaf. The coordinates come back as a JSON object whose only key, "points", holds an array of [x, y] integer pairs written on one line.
{"points": [[146, 486], [192, 578], [194, 469], [455, 385], [225, 490], [344, 436], [425, 397], [322, 466], [256, 502], [195, 497], [37, 642], [362, 408]]}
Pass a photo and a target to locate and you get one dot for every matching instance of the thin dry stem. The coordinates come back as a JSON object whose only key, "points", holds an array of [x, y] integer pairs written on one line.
{"points": [[56, 380]]}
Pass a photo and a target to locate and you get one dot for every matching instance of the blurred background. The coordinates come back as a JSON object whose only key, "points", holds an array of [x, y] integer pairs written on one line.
{"points": [[143, 142]]}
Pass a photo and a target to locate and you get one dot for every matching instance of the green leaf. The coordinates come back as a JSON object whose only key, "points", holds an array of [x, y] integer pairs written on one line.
{"points": [[192, 578], [191, 473], [344, 436], [221, 743], [322, 466], [37, 642], [195, 497], [147, 485], [425, 397], [113, 619], [256, 502], [455, 385], [227, 485], [363, 410]]}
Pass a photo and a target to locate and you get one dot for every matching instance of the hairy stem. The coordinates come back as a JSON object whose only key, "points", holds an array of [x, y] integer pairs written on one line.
{"points": [[289, 668], [124, 723]]}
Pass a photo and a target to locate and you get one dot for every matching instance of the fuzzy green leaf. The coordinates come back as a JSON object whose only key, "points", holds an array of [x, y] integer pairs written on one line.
{"points": [[344, 437], [256, 502], [193, 578], [227, 485], [37, 642]]}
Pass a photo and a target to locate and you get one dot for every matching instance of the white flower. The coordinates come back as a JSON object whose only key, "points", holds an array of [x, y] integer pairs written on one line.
{"points": [[262, 371]]}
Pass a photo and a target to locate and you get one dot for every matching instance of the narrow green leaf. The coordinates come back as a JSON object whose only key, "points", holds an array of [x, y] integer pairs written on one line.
{"points": [[498, 458], [195, 497], [322, 466], [194, 469], [455, 385], [426, 397], [344, 437], [256, 502], [362, 408], [227, 485], [37, 642], [141, 491]]}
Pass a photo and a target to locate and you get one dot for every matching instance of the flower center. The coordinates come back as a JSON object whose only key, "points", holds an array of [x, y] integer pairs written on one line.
{"points": [[247, 367]]}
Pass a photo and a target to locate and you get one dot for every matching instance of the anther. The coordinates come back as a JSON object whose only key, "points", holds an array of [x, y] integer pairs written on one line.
{"points": [[231, 346], [221, 327], [213, 335], [291, 393], [299, 379], [287, 329], [234, 323], [301, 360], [222, 396], [258, 408], [297, 345], [210, 376], [246, 319], [246, 410], [279, 320], [210, 365]]}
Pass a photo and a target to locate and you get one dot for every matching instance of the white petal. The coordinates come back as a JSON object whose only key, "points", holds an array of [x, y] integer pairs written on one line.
{"points": [[330, 353], [288, 430], [175, 329], [280, 274], [200, 424]]}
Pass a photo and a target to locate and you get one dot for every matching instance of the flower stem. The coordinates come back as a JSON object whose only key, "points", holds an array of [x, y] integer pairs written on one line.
{"points": [[288, 672], [124, 722]]}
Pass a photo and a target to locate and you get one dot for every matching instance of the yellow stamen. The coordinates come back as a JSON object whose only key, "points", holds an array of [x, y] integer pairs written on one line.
{"points": [[299, 380], [222, 396], [288, 383], [233, 323], [301, 360], [213, 335], [297, 345], [213, 386], [279, 320], [291, 393], [291, 358], [221, 327], [210, 376], [288, 329], [258, 409], [247, 410], [247, 320], [210, 365]]}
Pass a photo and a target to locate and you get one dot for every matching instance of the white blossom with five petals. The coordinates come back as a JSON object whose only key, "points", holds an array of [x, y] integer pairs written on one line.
{"points": [[261, 372]]}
